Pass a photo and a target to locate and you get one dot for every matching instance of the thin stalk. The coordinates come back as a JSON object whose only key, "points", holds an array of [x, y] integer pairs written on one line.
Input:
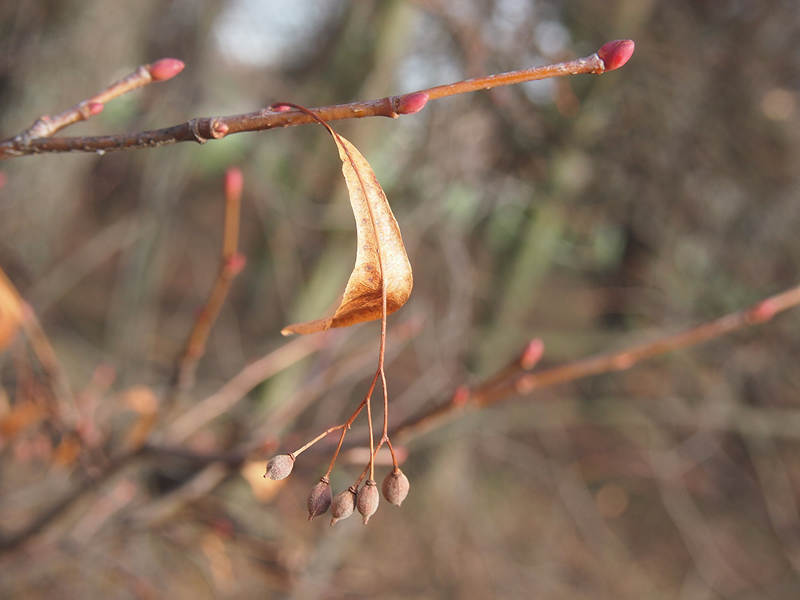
{"points": [[310, 443], [349, 423]]}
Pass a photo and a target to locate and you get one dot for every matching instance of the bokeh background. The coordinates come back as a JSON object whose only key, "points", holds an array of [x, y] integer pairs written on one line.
{"points": [[591, 212]]}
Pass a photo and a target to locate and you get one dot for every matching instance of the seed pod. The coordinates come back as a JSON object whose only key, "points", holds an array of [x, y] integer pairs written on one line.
{"points": [[280, 466], [319, 500], [395, 487], [368, 499], [344, 503]]}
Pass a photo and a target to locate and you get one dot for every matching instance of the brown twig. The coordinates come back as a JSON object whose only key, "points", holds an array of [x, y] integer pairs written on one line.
{"points": [[230, 265], [45, 126], [240, 385], [521, 384], [610, 56]]}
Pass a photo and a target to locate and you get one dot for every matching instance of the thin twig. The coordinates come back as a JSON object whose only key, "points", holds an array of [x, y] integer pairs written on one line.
{"points": [[348, 424], [203, 129], [231, 264], [45, 126], [524, 384], [240, 385]]}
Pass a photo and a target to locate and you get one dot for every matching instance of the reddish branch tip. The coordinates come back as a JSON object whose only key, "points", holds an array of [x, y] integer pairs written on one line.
{"points": [[763, 311], [615, 54], [411, 103], [460, 396], [234, 180], [166, 68], [95, 108], [532, 354], [3, 179], [236, 263]]}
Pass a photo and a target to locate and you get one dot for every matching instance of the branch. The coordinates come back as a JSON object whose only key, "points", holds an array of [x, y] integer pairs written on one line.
{"points": [[240, 385], [610, 56], [231, 264], [514, 381], [45, 126]]}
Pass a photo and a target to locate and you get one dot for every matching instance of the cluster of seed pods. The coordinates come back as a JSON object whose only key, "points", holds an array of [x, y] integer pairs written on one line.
{"points": [[365, 498]]}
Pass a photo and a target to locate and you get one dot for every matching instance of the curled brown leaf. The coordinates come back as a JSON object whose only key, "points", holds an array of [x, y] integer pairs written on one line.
{"points": [[381, 258]]}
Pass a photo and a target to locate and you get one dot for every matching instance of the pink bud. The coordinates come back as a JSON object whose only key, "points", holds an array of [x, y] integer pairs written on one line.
{"points": [[532, 354], [236, 263], [234, 180], [166, 68], [95, 108], [219, 129], [763, 311], [280, 107], [615, 54], [623, 362], [411, 103], [525, 384], [460, 396]]}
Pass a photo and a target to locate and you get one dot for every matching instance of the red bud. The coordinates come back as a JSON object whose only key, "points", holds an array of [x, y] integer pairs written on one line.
{"points": [[236, 263], [95, 108], [411, 103], [763, 311], [234, 180], [532, 354], [460, 396], [166, 68], [615, 54], [219, 129]]}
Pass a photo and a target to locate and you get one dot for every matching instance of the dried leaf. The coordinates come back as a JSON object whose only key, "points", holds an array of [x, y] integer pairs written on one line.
{"points": [[381, 257], [10, 311]]}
